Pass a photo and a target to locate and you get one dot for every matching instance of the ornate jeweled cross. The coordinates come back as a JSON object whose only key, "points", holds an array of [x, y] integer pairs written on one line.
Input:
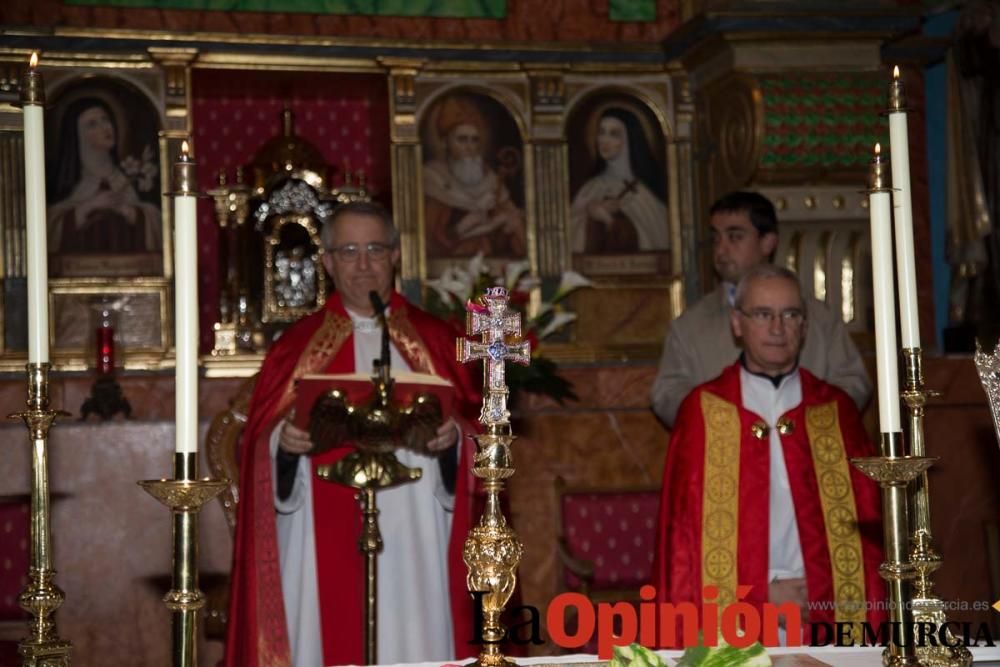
{"points": [[493, 321], [492, 551]]}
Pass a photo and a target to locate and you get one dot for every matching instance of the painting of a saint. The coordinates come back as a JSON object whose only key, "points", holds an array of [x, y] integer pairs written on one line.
{"points": [[103, 214], [472, 178], [617, 179]]}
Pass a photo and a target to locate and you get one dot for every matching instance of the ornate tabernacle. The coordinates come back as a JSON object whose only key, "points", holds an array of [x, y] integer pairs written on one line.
{"points": [[492, 551], [269, 239]]}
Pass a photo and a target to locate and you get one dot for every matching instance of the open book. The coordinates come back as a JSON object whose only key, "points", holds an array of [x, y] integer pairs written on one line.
{"points": [[360, 391]]}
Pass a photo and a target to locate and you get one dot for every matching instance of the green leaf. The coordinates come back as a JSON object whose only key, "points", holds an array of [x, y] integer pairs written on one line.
{"points": [[541, 376]]}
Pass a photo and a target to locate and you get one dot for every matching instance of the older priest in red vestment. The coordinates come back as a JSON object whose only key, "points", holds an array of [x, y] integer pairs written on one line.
{"points": [[297, 572], [758, 488]]}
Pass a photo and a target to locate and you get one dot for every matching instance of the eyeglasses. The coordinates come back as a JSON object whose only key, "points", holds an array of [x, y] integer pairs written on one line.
{"points": [[793, 317], [350, 252]]}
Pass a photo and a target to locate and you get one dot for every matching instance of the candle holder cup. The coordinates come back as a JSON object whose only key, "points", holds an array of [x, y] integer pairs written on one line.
{"points": [[106, 397], [184, 496]]}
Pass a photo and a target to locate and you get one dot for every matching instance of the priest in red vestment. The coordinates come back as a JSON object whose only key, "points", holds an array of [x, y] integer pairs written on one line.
{"points": [[758, 488], [297, 584]]}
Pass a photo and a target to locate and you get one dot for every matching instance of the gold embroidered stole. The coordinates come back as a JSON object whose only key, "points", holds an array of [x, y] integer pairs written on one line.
{"points": [[323, 346], [840, 512], [720, 496]]}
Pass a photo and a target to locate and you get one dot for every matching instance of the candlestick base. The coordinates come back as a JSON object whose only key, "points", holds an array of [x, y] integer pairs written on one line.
{"points": [[52, 653], [184, 497], [927, 607], [106, 400], [893, 473], [41, 597]]}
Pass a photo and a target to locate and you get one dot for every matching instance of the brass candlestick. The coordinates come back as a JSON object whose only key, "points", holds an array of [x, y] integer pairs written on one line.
{"points": [[41, 598], [927, 607], [184, 496], [893, 472], [492, 551]]}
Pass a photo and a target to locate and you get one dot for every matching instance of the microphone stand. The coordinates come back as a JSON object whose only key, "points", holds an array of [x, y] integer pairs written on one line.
{"points": [[372, 466], [375, 429], [382, 365]]}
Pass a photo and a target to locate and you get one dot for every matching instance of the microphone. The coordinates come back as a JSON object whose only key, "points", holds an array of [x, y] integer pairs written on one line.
{"points": [[376, 302], [380, 307]]}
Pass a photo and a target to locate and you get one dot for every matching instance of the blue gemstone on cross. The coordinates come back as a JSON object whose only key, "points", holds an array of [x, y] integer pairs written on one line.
{"points": [[497, 350]]}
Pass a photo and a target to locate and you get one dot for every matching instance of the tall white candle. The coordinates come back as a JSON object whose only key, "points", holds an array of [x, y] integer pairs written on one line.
{"points": [[32, 99], [186, 302], [880, 210], [909, 322]]}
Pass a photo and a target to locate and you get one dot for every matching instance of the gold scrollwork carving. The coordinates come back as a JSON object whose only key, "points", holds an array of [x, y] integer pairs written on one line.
{"points": [[734, 107]]}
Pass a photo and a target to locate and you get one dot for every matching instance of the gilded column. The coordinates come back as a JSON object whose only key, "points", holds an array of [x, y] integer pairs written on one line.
{"points": [[550, 240], [407, 190]]}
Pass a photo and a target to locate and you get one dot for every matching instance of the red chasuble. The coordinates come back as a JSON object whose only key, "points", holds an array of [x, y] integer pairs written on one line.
{"points": [[322, 343], [713, 527]]}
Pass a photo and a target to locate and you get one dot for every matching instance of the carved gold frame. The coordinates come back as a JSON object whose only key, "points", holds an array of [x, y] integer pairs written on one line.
{"points": [[161, 75], [536, 89], [540, 99], [272, 311], [132, 357]]}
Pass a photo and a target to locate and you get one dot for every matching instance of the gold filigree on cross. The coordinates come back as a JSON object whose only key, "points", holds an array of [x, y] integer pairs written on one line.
{"points": [[493, 321]]}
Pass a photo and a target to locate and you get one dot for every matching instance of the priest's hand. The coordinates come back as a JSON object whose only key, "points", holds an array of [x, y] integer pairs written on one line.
{"points": [[781, 591], [447, 437], [293, 439]]}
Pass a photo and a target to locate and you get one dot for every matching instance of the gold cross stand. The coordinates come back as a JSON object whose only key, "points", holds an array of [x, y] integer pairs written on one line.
{"points": [[492, 551]]}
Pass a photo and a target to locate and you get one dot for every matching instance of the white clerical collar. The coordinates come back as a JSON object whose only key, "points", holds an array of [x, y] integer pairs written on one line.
{"points": [[775, 380], [364, 324]]}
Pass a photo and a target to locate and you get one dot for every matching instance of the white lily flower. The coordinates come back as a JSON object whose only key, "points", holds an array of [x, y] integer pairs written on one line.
{"points": [[513, 271], [570, 281], [558, 322], [438, 286], [460, 287], [477, 265], [528, 283]]}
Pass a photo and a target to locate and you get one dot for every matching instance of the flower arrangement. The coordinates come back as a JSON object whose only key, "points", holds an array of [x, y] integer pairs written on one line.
{"points": [[459, 285]]}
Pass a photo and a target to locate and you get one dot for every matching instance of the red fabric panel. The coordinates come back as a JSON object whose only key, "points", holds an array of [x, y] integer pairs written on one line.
{"points": [[346, 116], [617, 531], [15, 532]]}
